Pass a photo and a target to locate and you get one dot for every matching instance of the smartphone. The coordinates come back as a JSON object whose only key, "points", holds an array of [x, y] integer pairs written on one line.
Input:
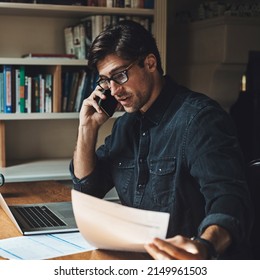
{"points": [[109, 104]]}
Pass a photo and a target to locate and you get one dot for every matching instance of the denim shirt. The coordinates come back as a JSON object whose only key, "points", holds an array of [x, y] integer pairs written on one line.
{"points": [[180, 157]]}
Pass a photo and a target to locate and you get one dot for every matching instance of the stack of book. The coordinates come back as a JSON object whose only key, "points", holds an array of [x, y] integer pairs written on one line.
{"points": [[140, 4], [76, 86], [79, 37], [24, 93]]}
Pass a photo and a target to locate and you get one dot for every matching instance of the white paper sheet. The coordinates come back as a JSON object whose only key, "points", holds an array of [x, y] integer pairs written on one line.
{"points": [[39, 247], [108, 225]]}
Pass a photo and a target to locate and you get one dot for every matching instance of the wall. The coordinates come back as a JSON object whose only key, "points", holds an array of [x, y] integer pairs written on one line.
{"points": [[211, 55]]}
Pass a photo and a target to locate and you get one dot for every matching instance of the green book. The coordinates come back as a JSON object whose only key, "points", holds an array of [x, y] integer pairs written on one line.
{"points": [[22, 87]]}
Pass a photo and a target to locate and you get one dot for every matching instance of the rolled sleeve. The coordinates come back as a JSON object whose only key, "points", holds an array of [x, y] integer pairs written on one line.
{"points": [[231, 224], [87, 184]]}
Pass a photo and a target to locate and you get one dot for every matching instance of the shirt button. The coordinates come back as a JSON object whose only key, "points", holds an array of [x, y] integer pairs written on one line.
{"points": [[144, 133], [140, 160]]}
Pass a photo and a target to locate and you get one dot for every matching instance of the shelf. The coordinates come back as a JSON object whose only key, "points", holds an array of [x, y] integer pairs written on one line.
{"points": [[42, 61], [66, 10], [57, 169], [39, 116], [45, 116]]}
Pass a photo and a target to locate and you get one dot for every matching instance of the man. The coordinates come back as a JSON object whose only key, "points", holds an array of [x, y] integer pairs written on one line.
{"points": [[173, 151]]}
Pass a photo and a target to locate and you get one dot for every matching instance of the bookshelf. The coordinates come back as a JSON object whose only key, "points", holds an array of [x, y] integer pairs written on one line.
{"points": [[39, 146]]}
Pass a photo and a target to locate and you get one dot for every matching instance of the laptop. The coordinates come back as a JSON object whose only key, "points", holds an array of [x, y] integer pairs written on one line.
{"points": [[41, 218]]}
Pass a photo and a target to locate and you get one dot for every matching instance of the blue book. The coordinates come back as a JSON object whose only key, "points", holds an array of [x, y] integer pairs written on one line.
{"points": [[1, 92]]}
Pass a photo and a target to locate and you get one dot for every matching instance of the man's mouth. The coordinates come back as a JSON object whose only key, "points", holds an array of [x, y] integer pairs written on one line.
{"points": [[123, 100]]}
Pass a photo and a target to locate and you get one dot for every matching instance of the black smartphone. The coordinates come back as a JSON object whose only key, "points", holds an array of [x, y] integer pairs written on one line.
{"points": [[109, 104]]}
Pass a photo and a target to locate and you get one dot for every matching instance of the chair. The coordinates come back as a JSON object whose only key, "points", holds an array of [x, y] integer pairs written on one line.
{"points": [[253, 177], [2, 179]]}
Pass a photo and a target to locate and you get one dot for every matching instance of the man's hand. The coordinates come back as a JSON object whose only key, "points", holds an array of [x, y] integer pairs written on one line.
{"points": [[183, 248], [90, 113], [176, 248]]}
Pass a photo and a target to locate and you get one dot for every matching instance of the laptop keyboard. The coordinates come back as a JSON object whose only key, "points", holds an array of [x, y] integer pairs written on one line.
{"points": [[39, 216]]}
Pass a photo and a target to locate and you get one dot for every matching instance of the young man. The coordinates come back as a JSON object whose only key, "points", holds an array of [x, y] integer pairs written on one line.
{"points": [[173, 150]]}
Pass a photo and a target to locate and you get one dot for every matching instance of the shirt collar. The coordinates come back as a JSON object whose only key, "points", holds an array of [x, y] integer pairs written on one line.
{"points": [[155, 113]]}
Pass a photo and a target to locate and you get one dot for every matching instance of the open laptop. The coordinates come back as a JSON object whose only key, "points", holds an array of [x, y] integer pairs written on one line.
{"points": [[41, 218]]}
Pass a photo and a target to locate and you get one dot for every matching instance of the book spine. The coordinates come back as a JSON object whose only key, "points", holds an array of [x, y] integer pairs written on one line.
{"points": [[42, 92], [28, 94], [22, 85], [81, 83], [1, 92], [68, 36], [73, 91], [109, 3], [67, 78], [127, 3], [135, 3], [102, 3], [48, 93], [79, 39], [7, 89], [148, 4], [17, 90], [119, 3], [92, 3], [36, 87]]}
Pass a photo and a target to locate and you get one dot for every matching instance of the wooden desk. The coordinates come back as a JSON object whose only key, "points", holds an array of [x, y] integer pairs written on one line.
{"points": [[49, 191]]}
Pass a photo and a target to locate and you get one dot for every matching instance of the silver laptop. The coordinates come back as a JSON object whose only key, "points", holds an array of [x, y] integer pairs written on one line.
{"points": [[41, 218]]}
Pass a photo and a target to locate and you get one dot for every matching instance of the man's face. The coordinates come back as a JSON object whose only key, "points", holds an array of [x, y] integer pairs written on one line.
{"points": [[137, 92]]}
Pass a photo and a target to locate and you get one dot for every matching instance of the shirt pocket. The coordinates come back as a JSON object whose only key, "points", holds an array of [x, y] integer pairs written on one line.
{"points": [[162, 172], [123, 177]]}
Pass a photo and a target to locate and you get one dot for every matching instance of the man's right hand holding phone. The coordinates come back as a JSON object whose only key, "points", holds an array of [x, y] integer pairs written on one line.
{"points": [[91, 113]]}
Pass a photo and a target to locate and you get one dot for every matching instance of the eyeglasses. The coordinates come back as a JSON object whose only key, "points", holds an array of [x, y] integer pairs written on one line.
{"points": [[119, 77]]}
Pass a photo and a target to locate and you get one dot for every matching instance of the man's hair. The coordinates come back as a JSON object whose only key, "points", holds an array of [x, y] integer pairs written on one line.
{"points": [[128, 40]]}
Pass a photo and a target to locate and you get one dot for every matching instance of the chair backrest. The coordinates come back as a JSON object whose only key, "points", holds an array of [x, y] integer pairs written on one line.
{"points": [[253, 177]]}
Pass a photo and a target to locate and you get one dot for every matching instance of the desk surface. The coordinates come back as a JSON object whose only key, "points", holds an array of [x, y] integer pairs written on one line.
{"points": [[49, 191]]}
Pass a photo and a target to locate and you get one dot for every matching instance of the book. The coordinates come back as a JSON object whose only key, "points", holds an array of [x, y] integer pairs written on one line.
{"points": [[85, 91], [1, 92], [41, 92], [148, 4], [36, 96], [88, 32], [80, 90], [48, 55], [7, 71], [17, 90], [66, 85], [79, 41], [22, 85], [73, 92], [48, 93], [68, 37], [28, 94]]}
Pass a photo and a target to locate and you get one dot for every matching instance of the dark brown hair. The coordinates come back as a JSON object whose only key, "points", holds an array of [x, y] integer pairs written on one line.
{"points": [[128, 40]]}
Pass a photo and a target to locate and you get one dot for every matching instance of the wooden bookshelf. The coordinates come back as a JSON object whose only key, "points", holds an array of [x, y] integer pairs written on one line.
{"points": [[39, 146]]}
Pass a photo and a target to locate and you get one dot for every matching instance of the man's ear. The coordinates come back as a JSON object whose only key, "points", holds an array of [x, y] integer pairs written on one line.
{"points": [[151, 62]]}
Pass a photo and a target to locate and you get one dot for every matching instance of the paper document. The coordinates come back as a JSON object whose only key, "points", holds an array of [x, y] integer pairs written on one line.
{"points": [[108, 225], [39, 247]]}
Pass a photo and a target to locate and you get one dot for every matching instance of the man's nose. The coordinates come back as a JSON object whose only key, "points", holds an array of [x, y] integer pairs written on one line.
{"points": [[115, 88]]}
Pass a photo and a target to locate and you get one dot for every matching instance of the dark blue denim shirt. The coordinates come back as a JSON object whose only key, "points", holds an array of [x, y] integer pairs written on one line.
{"points": [[181, 157]]}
